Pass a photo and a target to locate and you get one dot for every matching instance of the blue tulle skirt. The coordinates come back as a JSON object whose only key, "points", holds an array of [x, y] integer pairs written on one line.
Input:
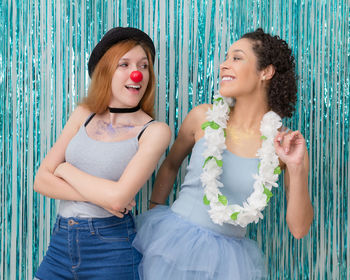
{"points": [[174, 248]]}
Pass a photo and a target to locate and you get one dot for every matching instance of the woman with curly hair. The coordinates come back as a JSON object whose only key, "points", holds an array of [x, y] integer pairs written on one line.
{"points": [[238, 148]]}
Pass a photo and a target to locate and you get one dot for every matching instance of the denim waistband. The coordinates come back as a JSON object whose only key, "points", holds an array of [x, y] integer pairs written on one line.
{"points": [[93, 223]]}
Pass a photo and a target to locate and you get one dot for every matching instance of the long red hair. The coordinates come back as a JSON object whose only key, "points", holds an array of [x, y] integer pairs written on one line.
{"points": [[100, 91]]}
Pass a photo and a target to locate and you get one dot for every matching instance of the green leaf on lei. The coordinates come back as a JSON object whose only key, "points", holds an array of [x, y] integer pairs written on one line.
{"points": [[222, 199], [207, 159], [259, 165], [277, 170], [263, 137], [218, 99], [234, 216], [268, 194], [212, 124], [218, 162], [205, 125], [205, 200], [225, 133]]}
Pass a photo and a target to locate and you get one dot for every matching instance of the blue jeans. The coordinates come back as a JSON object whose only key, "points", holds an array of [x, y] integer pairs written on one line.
{"points": [[94, 248]]}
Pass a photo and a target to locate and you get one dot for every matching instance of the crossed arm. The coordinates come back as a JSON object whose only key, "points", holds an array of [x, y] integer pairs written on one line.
{"points": [[60, 180], [117, 195]]}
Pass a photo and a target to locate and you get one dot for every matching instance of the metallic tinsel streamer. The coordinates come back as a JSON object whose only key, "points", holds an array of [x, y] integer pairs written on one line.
{"points": [[44, 49]]}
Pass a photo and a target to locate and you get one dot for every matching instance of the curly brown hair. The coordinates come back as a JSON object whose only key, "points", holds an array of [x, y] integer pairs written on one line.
{"points": [[272, 50]]}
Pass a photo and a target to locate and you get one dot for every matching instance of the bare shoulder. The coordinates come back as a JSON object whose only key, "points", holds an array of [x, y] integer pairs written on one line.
{"points": [[158, 132], [75, 121], [56, 155], [197, 115], [160, 127], [199, 112], [78, 118], [79, 115], [194, 119]]}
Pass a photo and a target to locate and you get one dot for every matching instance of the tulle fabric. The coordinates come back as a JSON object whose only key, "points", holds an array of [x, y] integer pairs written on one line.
{"points": [[176, 249]]}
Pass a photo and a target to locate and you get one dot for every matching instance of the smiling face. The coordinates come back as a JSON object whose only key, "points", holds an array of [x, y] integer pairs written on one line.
{"points": [[126, 92], [238, 73]]}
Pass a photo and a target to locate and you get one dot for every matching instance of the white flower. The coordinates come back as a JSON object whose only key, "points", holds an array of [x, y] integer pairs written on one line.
{"points": [[269, 123], [219, 213], [212, 194], [213, 170], [265, 180], [248, 216], [218, 114], [213, 151], [258, 199], [215, 138], [266, 149]]}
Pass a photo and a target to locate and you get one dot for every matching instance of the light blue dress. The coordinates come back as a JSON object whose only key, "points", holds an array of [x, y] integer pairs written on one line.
{"points": [[182, 243]]}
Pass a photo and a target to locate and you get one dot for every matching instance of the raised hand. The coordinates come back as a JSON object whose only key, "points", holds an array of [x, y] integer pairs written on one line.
{"points": [[290, 148]]}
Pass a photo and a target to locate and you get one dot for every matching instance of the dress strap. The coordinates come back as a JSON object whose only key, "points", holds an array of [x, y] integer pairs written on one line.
{"points": [[143, 129], [284, 129], [89, 119]]}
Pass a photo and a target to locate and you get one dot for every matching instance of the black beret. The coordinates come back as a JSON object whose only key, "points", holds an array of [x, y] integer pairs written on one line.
{"points": [[114, 36]]}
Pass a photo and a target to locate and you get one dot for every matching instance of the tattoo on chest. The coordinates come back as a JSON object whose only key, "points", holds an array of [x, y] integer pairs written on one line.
{"points": [[105, 127]]}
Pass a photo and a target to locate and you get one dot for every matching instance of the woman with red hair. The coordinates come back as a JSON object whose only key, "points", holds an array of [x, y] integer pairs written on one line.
{"points": [[107, 151]]}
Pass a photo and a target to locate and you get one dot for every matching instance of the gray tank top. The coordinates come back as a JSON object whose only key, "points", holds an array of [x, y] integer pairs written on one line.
{"points": [[101, 159]]}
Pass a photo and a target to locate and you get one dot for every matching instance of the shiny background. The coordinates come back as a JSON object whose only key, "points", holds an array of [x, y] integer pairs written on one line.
{"points": [[44, 49]]}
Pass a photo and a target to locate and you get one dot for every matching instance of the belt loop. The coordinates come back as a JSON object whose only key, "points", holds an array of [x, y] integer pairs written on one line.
{"points": [[130, 219], [58, 221], [130, 225], [91, 226]]}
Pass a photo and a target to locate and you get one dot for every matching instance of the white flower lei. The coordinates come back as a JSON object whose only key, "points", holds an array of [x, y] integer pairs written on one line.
{"points": [[220, 211]]}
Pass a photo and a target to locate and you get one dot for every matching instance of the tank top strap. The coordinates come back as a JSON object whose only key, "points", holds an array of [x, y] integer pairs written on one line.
{"points": [[144, 128], [89, 118], [284, 129]]}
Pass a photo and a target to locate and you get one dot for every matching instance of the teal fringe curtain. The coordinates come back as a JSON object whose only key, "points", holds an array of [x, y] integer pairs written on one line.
{"points": [[44, 49]]}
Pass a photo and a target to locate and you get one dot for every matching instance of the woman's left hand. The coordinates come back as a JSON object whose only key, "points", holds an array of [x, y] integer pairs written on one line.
{"points": [[290, 147]]}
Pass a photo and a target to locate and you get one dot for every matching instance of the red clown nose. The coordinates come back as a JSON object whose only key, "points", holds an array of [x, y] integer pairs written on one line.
{"points": [[136, 76]]}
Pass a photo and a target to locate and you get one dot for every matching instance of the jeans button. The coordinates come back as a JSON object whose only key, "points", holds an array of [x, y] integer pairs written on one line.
{"points": [[71, 222]]}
